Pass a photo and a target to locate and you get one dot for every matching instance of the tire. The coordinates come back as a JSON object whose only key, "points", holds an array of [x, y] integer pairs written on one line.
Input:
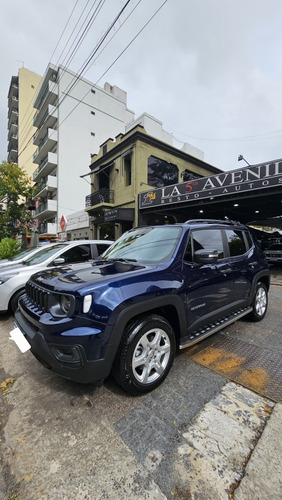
{"points": [[13, 305], [259, 304], [145, 354]]}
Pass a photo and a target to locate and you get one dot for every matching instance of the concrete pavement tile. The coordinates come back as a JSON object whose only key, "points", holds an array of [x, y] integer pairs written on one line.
{"points": [[263, 476], [217, 445]]}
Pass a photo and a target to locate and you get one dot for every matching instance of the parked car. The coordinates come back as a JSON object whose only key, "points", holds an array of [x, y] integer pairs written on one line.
{"points": [[13, 279], [154, 289], [20, 257], [273, 253]]}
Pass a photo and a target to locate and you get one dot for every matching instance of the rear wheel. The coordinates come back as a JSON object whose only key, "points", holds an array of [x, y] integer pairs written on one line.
{"points": [[145, 355], [260, 302]]}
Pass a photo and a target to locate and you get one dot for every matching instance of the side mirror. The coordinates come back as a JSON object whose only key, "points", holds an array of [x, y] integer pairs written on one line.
{"points": [[206, 256], [59, 261]]}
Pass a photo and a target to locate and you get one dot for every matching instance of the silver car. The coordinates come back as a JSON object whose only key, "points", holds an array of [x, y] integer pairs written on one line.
{"points": [[13, 279]]}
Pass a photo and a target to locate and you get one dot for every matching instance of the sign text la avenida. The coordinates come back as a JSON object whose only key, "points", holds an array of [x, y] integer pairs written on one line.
{"points": [[265, 175]]}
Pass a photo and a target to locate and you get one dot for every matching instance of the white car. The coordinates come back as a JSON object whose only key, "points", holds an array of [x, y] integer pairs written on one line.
{"points": [[13, 279], [20, 257]]}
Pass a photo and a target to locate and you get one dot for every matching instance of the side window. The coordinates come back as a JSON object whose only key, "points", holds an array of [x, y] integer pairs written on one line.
{"points": [[127, 170], [249, 239], [236, 242], [204, 239], [80, 253], [101, 248]]}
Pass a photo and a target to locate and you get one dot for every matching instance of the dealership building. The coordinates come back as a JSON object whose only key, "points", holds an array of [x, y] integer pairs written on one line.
{"points": [[252, 195]]}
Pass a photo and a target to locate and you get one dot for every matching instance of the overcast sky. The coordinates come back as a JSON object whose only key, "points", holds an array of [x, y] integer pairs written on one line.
{"points": [[210, 70]]}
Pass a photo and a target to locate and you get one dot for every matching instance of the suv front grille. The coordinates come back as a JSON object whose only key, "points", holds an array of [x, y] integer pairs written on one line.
{"points": [[37, 296]]}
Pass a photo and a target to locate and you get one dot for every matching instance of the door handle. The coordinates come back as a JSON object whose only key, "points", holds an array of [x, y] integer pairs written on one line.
{"points": [[225, 270]]}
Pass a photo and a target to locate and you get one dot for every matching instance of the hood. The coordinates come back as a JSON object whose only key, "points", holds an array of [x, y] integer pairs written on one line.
{"points": [[77, 276]]}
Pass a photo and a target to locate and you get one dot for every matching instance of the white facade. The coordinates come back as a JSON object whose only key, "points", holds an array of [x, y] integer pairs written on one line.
{"points": [[154, 127], [74, 117]]}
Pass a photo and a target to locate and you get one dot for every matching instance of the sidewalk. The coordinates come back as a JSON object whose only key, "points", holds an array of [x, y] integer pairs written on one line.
{"points": [[233, 449]]}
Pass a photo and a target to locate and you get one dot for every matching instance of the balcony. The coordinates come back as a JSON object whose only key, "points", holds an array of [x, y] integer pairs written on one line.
{"points": [[46, 116], [46, 144], [49, 185], [13, 156], [47, 228], [13, 102], [13, 117], [14, 90], [13, 130], [102, 197], [45, 167], [49, 94], [13, 143], [46, 210]]}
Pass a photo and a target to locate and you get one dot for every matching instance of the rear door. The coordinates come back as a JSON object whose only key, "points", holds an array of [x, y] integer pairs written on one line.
{"points": [[242, 262], [208, 288]]}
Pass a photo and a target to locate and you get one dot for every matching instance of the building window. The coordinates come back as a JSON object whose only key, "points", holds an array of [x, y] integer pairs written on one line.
{"points": [[161, 173], [127, 169], [105, 149]]}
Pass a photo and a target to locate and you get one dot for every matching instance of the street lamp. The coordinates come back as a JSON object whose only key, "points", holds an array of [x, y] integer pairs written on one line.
{"points": [[241, 157]]}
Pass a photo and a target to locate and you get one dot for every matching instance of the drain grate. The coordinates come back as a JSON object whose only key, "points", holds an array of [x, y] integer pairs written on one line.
{"points": [[254, 367]]}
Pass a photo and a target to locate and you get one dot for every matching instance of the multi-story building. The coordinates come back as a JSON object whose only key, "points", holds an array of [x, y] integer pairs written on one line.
{"points": [[73, 118], [144, 157], [21, 94]]}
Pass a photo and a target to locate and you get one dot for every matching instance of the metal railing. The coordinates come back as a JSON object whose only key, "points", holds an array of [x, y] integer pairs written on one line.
{"points": [[104, 195]]}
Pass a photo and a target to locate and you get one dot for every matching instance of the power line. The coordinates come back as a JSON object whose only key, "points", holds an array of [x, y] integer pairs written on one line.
{"points": [[85, 67], [86, 63]]}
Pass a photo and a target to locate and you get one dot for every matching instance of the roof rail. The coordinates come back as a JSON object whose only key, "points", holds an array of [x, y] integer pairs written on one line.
{"points": [[212, 221]]}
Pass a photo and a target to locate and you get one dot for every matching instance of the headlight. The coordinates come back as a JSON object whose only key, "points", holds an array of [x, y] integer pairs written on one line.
{"points": [[66, 303], [61, 306], [7, 277]]}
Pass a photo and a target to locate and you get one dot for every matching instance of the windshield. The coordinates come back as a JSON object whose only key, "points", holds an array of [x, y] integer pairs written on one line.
{"points": [[147, 244], [44, 254], [23, 254]]}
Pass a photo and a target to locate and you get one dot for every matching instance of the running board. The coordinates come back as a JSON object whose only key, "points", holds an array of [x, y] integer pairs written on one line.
{"points": [[214, 327]]}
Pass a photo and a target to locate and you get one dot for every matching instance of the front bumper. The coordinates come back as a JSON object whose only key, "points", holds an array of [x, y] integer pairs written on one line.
{"points": [[67, 359]]}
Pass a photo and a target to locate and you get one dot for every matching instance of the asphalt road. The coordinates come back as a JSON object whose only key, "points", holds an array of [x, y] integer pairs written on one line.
{"points": [[61, 440]]}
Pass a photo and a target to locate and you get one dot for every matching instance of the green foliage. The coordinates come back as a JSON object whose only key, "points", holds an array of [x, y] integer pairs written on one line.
{"points": [[9, 247], [15, 189]]}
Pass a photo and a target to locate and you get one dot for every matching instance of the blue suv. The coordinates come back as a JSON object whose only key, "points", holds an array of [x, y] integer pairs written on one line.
{"points": [[154, 290]]}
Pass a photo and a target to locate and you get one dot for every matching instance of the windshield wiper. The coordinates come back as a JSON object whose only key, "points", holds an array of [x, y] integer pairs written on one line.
{"points": [[120, 259]]}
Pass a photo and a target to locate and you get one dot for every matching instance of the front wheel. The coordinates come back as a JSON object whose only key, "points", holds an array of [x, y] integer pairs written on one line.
{"points": [[14, 300], [145, 355], [259, 304]]}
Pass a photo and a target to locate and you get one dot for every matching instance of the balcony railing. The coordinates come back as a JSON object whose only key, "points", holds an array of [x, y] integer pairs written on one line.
{"points": [[47, 228], [104, 195], [45, 167], [48, 207]]}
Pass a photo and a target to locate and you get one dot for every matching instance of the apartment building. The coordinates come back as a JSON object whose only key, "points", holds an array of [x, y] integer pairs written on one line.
{"points": [[143, 158], [22, 91], [73, 118]]}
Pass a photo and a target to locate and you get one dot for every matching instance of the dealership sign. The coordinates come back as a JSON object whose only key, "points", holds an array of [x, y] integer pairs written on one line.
{"points": [[262, 176]]}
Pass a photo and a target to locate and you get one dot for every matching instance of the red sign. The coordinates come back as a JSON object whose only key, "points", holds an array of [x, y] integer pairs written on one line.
{"points": [[63, 223]]}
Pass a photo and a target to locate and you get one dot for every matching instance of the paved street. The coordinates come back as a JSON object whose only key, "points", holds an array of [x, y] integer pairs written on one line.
{"points": [[192, 438]]}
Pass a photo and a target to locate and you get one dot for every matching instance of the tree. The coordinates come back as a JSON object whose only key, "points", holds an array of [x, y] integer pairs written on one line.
{"points": [[16, 191]]}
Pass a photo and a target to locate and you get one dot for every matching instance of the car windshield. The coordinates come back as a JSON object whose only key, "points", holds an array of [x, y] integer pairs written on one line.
{"points": [[147, 244], [43, 254], [23, 254]]}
